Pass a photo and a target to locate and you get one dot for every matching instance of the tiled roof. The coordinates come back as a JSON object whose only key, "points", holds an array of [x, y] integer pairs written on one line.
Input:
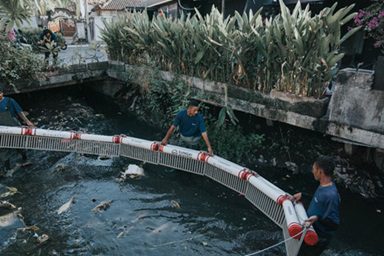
{"points": [[94, 2], [122, 4], [149, 3]]}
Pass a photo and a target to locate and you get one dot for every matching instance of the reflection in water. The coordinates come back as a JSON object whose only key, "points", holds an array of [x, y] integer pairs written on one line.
{"points": [[142, 218]]}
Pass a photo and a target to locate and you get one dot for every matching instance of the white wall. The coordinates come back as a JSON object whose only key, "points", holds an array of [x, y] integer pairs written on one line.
{"points": [[108, 16]]}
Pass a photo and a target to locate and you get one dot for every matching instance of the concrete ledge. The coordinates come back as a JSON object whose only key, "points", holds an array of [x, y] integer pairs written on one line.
{"points": [[276, 100], [292, 118], [362, 137], [77, 68], [98, 65], [58, 79], [360, 78], [355, 104], [116, 66]]}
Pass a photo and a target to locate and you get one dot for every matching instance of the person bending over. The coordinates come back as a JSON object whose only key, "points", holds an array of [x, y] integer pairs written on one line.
{"points": [[191, 126]]}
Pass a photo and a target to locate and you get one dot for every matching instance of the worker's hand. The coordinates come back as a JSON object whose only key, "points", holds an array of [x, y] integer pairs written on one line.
{"points": [[30, 124], [210, 151], [296, 197], [164, 142], [308, 222]]}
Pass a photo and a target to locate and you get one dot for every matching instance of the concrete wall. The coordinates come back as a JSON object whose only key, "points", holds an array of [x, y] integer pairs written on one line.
{"points": [[354, 115], [74, 74], [356, 112], [354, 103], [98, 22]]}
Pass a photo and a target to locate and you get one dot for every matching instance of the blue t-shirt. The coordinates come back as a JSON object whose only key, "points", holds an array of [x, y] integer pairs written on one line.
{"points": [[189, 126], [14, 107], [325, 205]]}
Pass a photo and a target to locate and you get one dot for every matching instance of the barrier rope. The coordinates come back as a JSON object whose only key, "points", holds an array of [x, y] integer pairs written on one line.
{"points": [[277, 244], [251, 254], [177, 241]]}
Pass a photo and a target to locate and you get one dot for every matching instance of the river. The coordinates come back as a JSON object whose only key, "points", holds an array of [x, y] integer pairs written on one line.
{"points": [[166, 212]]}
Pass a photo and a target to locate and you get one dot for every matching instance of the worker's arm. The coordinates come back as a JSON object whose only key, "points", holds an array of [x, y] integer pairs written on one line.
{"points": [[25, 119], [168, 135], [308, 222], [206, 139]]}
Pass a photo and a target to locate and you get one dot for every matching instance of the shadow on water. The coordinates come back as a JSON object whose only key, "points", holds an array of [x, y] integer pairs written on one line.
{"points": [[166, 212]]}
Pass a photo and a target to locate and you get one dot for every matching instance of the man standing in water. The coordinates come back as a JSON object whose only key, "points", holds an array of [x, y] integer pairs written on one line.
{"points": [[323, 210], [10, 110], [191, 125]]}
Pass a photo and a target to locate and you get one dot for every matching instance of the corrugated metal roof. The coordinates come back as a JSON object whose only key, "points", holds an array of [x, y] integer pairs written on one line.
{"points": [[123, 4]]}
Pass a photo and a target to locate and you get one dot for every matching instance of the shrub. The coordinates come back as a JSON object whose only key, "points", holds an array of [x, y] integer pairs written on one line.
{"points": [[230, 142], [18, 63], [372, 20]]}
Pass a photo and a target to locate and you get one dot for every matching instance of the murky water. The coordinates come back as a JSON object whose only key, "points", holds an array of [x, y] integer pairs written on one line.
{"points": [[143, 218]]}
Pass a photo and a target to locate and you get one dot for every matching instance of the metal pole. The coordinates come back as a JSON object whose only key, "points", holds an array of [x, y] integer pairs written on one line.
{"points": [[87, 34], [223, 8]]}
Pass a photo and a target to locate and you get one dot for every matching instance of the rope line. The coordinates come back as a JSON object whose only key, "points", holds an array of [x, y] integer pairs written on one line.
{"points": [[177, 241], [277, 244]]}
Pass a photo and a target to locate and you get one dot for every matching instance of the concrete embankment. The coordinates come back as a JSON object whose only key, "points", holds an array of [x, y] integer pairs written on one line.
{"points": [[353, 115]]}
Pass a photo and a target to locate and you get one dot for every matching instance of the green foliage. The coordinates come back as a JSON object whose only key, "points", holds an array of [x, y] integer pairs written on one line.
{"points": [[294, 51], [164, 99], [13, 13], [50, 47], [230, 142], [32, 36], [18, 63], [224, 113]]}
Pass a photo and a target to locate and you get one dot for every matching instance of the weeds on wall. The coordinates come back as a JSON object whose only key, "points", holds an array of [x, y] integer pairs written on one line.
{"points": [[231, 142], [293, 52]]}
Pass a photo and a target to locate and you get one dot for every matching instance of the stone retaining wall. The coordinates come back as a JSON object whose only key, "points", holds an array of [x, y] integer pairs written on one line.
{"points": [[74, 74], [353, 115]]}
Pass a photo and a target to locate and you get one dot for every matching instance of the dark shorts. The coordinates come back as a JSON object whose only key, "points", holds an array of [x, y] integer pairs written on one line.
{"points": [[191, 141]]}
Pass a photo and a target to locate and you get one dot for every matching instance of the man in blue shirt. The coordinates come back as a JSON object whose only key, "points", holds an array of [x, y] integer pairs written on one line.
{"points": [[10, 112], [323, 211], [191, 126]]}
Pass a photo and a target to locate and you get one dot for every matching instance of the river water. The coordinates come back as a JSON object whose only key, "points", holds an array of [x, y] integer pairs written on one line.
{"points": [[166, 212]]}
